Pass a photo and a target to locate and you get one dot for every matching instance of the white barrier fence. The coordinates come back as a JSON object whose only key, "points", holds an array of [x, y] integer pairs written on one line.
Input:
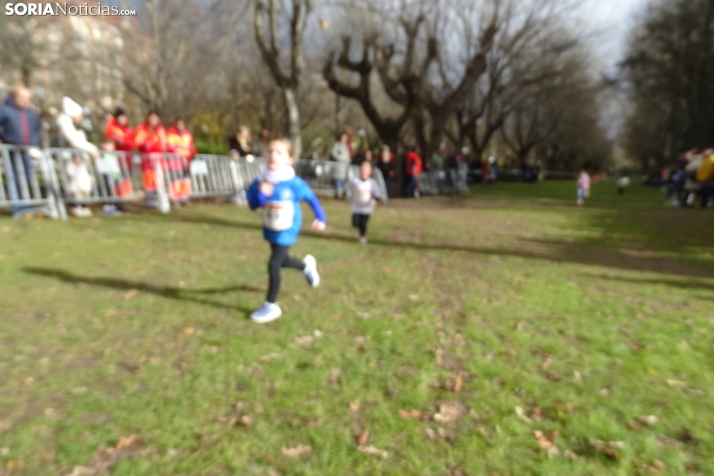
{"points": [[322, 176], [28, 184], [35, 181]]}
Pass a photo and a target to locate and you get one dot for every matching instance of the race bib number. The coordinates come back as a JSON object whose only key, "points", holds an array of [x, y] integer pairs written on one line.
{"points": [[278, 216], [364, 195]]}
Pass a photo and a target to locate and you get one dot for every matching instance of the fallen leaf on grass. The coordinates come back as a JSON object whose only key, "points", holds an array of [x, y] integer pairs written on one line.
{"points": [[536, 414], [407, 414], [245, 420], [111, 313], [667, 441], [431, 434], [354, 407], [635, 426], [105, 458], [363, 438], [547, 363], [268, 357], [128, 442], [446, 435], [305, 341], [650, 420], [297, 451], [14, 465], [371, 450], [459, 381], [656, 467], [547, 441], [451, 411], [522, 416], [676, 383], [570, 455], [189, 331], [335, 377], [608, 448], [578, 377], [413, 297], [130, 294]]}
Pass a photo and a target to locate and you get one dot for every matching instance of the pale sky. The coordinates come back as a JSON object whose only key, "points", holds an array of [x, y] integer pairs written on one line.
{"points": [[611, 20]]}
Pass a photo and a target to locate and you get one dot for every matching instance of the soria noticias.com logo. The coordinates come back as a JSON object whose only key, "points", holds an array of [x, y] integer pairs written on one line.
{"points": [[71, 9]]}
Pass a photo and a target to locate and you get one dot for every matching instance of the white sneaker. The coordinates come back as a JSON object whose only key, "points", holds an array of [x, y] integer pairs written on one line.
{"points": [[363, 240], [311, 274], [268, 312]]}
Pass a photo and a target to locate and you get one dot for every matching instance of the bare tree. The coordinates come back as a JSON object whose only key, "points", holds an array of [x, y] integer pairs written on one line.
{"points": [[22, 46], [170, 60], [268, 42]]}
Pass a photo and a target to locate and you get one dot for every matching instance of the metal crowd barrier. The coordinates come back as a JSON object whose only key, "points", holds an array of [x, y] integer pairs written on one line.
{"points": [[28, 184], [320, 175], [113, 178], [449, 181], [244, 171]]}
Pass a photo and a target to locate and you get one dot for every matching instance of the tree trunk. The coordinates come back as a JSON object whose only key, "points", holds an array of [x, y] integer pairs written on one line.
{"points": [[293, 121], [26, 75]]}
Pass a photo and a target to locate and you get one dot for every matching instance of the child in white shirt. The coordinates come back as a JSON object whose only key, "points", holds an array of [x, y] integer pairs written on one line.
{"points": [[80, 184], [583, 187], [364, 195]]}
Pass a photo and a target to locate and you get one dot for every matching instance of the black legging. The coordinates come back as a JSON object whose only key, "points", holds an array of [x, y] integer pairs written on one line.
{"points": [[360, 221], [279, 258]]}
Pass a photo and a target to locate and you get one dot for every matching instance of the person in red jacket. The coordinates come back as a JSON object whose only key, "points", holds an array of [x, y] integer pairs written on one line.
{"points": [[118, 131], [181, 141], [150, 138], [414, 170]]}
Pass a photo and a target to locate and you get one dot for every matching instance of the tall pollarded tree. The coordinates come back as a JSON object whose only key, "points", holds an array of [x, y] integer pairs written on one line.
{"points": [[268, 40]]}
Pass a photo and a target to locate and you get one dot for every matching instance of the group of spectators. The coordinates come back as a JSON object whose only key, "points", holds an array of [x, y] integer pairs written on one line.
{"points": [[343, 153], [690, 179], [444, 166], [20, 126]]}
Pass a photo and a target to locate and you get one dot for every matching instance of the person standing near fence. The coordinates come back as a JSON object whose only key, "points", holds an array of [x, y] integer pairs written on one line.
{"points": [[117, 130], [262, 145], [181, 141], [239, 144], [69, 124], [150, 140], [341, 156], [279, 192], [20, 126], [414, 170], [386, 166]]}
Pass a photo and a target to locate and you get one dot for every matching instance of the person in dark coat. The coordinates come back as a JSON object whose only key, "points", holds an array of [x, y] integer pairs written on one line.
{"points": [[386, 166], [20, 126]]}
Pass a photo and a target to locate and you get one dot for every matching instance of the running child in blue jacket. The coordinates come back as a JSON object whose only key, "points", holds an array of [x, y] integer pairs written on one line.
{"points": [[279, 192]]}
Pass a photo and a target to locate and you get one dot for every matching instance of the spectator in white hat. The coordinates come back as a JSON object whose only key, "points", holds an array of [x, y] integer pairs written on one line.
{"points": [[69, 121]]}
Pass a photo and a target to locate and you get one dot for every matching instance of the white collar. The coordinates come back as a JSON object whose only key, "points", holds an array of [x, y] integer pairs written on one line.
{"points": [[283, 174]]}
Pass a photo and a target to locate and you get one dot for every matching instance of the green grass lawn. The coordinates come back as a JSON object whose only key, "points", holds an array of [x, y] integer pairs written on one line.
{"points": [[463, 329]]}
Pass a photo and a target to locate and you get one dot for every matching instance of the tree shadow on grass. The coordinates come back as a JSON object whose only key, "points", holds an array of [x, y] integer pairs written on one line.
{"points": [[586, 253], [168, 292], [686, 284]]}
